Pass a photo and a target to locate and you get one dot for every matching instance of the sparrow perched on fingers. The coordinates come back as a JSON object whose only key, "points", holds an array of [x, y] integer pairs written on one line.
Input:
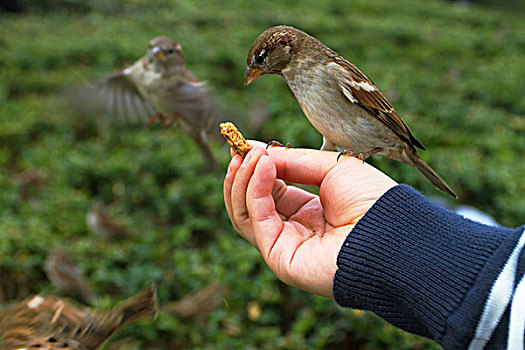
{"points": [[340, 101], [49, 322], [157, 86], [66, 275]]}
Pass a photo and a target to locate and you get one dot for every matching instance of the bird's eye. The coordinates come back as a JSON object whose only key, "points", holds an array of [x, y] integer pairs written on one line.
{"points": [[260, 57], [170, 51]]}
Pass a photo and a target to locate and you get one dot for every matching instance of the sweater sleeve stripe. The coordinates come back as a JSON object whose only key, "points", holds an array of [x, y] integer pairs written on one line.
{"points": [[517, 318], [499, 298]]}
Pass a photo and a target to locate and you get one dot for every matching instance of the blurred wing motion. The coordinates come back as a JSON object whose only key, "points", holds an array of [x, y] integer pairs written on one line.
{"points": [[116, 96], [66, 275], [50, 322], [192, 102], [157, 86], [190, 106], [198, 304]]}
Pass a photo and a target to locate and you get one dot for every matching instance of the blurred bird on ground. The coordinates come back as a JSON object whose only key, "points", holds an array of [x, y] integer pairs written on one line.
{"points": [[102, 224], [50, 322], [198, 304], [66, 275]]}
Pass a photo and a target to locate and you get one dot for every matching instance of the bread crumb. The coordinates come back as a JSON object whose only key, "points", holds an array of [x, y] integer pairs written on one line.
{"points": [[235, 139]]}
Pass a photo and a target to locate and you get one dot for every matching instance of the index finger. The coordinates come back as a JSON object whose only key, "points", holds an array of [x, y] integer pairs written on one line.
{"points": [[306, 166]]}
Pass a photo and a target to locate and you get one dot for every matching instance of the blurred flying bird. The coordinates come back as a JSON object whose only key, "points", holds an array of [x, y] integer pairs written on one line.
{"points": [[30, 181], [66, 275], [157, 86], [49, 322]]}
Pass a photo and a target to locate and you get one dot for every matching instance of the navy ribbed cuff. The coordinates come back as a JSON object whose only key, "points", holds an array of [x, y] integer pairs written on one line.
{"points": [[421, 267]]}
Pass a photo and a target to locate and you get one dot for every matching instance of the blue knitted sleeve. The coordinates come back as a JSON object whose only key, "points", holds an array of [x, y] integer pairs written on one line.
{"points": [[429, 271]]}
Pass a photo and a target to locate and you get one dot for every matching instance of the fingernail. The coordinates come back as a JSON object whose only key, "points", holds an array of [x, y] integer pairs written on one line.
{"points": [[234, 163], [247, 158]]}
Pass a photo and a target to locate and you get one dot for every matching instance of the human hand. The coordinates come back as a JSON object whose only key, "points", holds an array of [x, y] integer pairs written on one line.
{"points": [[299, 234]]}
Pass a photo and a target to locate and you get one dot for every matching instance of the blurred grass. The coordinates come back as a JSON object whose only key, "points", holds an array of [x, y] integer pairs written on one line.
{"points": [[455, 74]]}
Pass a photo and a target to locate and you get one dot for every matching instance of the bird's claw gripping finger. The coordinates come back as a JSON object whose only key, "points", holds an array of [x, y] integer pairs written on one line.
{"points": [[360, 156], [277, 144]]}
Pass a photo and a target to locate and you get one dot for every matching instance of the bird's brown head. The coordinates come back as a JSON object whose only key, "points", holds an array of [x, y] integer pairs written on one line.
{"points": [[164, 49], [272, 51]]}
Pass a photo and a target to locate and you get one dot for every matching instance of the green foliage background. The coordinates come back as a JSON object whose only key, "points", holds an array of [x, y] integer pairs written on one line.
{"points": [[455, 74]]}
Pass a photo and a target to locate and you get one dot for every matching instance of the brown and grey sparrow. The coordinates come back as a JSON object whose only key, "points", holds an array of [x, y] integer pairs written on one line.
{"points": [[340, 101], [157, 86], [101, 223], [49, 322], [66, 275]]}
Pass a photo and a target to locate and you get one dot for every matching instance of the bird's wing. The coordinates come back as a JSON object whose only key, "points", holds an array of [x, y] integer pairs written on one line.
{"points": [[117, 96], [359, 89], [192, 102], [191, 96]]}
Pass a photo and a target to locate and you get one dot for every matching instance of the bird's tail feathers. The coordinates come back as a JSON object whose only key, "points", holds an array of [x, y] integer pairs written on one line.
{"points": [[430, 174]]}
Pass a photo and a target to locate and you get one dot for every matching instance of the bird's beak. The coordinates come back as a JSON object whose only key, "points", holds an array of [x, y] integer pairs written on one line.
{"points": [[251, 75], [158, 53]]}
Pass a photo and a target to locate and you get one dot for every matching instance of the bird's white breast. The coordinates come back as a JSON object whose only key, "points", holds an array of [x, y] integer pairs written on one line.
{"points": [[340, 120], [156, 88]]}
